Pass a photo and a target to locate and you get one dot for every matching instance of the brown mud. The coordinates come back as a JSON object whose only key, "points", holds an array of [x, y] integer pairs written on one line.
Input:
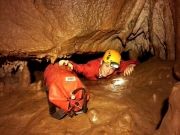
{"points": [[135, 108]]}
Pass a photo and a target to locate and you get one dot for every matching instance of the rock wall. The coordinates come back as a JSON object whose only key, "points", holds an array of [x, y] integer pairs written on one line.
{"points": [[50, 28], [170, 124], [177, 18]]}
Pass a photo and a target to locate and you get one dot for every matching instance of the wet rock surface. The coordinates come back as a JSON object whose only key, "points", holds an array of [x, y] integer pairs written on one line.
{"points": [[46, 28], [134, 108], [170, 124]]}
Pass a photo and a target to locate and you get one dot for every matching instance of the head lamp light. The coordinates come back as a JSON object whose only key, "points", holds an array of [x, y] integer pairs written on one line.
{"points": [[114, 65]]}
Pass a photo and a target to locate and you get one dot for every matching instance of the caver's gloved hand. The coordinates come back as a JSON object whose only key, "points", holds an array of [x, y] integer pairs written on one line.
{"points": [[66, 63], [129, 69]]}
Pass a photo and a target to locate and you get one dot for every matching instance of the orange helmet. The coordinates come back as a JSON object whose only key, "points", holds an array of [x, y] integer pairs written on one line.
{"points": [[112, 57]]}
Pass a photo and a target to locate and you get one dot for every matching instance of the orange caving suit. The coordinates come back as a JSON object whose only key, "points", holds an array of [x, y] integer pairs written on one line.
{"points": [[91, 69]]}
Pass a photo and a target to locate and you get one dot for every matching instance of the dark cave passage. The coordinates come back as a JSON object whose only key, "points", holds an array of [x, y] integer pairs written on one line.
{"points": [[37, 67]]}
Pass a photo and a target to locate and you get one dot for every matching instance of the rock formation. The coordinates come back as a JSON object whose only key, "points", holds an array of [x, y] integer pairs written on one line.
{"points": [[170, 124], [46, 28]]}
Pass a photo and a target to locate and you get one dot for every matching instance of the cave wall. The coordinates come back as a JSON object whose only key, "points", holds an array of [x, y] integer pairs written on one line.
{"points": [[177, 18], [170, 124], [50, 28], [177, 30]]}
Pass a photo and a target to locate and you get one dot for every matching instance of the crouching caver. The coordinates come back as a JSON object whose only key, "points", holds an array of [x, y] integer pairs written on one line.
{"points": [[66, 93]]}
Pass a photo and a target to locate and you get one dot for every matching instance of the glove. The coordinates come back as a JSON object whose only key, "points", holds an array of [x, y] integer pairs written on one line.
{"points": [[129, 70], [66, 63]]}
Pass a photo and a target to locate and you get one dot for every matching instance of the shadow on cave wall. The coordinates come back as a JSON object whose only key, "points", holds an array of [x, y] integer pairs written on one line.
{"points": [[164, 110]]}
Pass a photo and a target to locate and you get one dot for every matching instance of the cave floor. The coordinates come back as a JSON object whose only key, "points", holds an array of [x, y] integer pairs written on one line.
{"points": [[135, 108]]}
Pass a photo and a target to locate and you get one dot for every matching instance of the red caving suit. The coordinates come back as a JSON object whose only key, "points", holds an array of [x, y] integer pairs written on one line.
{"points": [[91, 69]]}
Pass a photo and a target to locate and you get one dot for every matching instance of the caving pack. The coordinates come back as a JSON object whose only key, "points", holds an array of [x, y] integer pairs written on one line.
{"points": [[65, 91]]}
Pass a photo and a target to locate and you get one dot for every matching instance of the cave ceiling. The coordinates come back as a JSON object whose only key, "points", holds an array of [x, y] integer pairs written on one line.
{"points": [[53, 28]]}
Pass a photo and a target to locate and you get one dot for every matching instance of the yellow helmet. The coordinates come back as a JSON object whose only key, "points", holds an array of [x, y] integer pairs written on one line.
{"points": [[112, 57]]}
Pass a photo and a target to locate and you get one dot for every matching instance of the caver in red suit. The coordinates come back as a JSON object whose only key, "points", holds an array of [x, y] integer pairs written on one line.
{"points": [[91, 69]]}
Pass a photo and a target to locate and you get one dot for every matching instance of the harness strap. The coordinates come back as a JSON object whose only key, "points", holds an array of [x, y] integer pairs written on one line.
{"points": [[84, 96]]}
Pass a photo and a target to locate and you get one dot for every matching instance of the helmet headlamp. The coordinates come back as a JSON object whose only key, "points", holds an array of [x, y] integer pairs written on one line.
{"points": [[114, 65]]}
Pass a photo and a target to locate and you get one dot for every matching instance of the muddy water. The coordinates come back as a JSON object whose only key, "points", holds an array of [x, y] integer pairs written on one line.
{"points": [[133, 108]]}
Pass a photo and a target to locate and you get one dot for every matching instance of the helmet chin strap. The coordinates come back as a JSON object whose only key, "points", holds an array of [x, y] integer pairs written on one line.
{"points": [[100, 75]]}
